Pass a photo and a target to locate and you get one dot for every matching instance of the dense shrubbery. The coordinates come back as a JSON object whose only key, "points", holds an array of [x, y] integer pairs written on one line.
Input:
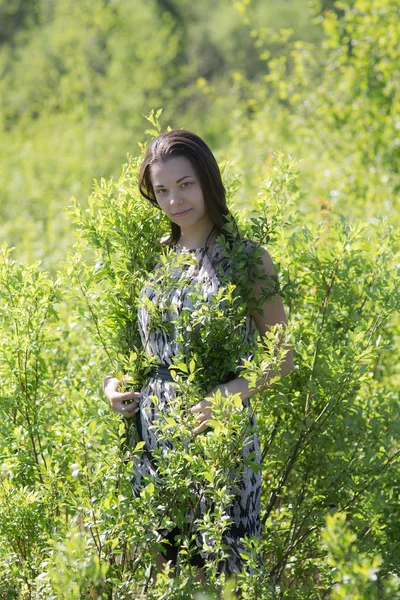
{"points": [[69, 527]]}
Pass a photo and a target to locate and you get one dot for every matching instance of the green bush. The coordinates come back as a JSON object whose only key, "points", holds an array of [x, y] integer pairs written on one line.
{"points": [[329, 431]]}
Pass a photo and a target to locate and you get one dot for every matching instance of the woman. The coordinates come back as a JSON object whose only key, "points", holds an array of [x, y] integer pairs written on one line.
{"points": [[179, 174]]}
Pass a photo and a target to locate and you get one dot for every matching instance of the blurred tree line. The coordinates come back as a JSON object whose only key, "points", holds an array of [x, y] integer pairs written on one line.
{"points": [[318, 79], [76, 79]]}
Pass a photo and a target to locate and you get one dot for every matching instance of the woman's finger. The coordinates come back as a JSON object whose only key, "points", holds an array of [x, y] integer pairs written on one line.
{"points": [[201, 427], [127, 410], [125, 396], [204, 404]]}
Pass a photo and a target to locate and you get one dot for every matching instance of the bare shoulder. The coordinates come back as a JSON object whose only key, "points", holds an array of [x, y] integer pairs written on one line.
{"points": [[267, 309], [267, 266], [261, 263]]}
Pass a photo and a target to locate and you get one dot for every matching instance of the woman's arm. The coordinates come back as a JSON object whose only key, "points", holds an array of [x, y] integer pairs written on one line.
{"points": [[268, 314]]}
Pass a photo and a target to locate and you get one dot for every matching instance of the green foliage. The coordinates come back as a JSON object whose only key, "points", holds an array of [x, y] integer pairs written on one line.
{"points": [[357, 575], [335, 108], [76, 81], [329, 432], [16, 16], [124, 251], [73, 94], [28, 317]]}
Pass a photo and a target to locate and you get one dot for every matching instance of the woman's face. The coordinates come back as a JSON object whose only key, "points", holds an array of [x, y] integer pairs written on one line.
{"points": [[178, 193]]}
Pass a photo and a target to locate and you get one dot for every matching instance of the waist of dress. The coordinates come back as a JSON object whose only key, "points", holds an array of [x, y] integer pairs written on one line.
{"points": [[161, 372]]}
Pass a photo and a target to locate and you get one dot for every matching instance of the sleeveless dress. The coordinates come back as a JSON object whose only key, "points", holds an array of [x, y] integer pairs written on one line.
{"points": [[244, 510]]}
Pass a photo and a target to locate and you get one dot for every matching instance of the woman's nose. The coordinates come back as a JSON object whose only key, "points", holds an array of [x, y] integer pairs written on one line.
{"points": [[175, 197]]}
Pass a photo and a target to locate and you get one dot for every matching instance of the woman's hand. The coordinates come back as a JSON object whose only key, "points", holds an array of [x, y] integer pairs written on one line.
{"points": [[118, 400], [203, 413]]}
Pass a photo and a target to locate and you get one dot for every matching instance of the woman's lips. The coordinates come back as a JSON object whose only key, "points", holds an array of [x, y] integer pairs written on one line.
{"points": [[181, 214]]}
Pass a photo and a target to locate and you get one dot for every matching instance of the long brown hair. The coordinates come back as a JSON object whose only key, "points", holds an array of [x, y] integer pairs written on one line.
{"points": [[180, 142]]}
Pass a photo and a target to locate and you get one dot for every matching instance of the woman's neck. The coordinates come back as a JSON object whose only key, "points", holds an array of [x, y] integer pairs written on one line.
{"points": [[189, 240]]}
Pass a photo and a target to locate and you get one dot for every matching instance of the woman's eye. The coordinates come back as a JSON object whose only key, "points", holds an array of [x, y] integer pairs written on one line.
{"points": [[185, 183], [161, 191]]}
